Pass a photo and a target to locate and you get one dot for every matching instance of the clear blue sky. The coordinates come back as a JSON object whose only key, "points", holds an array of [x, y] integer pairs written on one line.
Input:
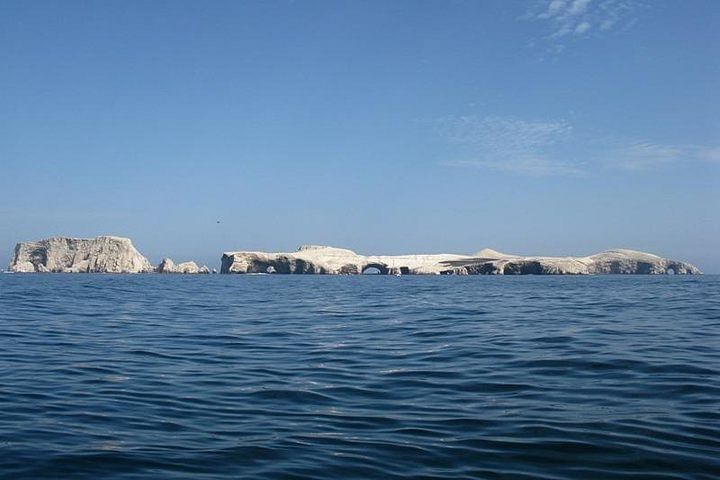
{"points": [[532, 127]]}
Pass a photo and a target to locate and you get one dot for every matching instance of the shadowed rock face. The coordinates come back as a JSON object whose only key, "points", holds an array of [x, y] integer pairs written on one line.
{"points": [[73, 255], [338, 261]]}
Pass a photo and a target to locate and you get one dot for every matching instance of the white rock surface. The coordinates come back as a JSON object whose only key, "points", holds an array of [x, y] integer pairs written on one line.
{"points": [[105, 254], [168, 266], [330, 260], [336, 261], [22, 267]]}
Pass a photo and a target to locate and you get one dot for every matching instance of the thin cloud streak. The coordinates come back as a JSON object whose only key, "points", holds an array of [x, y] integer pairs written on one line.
{"points": [[509, 144], [543, 148], [502, 132], [649, 156], [535, 166]]}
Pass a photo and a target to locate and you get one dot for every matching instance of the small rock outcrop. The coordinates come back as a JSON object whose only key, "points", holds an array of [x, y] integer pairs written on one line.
{"points": [[314, 259], [104, 254], [168, 266]]}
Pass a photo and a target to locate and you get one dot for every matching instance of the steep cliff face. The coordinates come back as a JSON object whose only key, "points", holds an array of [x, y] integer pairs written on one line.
{"points": [[328, 260], [103, 254]]}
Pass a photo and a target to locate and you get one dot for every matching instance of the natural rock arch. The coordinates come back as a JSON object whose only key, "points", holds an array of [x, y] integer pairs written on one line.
{"points": [[380, 267]]}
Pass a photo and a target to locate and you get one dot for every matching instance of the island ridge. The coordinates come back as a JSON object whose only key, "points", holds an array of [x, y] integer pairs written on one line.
{"points": [[110, 254]]}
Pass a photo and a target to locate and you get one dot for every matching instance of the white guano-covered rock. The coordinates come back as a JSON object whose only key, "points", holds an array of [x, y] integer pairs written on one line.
{"points": [[104, 254], [314, 259], [168, 266], [330, 260]]}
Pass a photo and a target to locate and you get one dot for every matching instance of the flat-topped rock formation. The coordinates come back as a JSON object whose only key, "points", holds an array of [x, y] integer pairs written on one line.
{"points": [[103, 254], [316, 259], [168, 266]]}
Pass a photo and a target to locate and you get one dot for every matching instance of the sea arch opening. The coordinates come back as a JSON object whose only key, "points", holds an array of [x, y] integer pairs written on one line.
{"points": [[375, 269]]}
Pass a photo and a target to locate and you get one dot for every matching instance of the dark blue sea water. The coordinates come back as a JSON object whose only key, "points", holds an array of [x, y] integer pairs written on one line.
{"points": [[225, 377]]}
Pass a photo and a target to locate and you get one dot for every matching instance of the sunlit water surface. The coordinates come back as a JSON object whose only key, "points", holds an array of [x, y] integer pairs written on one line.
{"points": [[181, 377]]}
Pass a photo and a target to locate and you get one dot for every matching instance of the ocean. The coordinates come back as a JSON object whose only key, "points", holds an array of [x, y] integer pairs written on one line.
{"points": [[357, 377]]}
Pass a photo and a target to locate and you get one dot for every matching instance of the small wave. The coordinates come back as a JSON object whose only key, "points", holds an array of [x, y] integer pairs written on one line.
{"points": [[226, 377]]}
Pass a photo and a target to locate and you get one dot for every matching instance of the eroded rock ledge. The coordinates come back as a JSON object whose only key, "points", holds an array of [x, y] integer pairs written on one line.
{"points": [[314, 259]]}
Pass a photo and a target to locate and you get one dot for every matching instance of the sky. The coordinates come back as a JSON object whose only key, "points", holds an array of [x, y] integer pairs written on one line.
{"points": [[554, 127]]}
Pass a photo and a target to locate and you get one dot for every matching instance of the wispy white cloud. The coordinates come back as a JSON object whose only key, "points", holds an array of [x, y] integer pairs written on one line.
{"points": [[554, 148], [650, 156], [494, 132], [508, 144], [709, 154], [582, 27], [566, 20], [536, 166]]}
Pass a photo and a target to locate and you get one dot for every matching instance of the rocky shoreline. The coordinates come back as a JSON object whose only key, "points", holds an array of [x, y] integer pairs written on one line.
{"points": [[109, 254]]}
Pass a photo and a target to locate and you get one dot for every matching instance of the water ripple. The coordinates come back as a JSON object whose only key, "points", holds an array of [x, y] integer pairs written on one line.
{"points": [[306, 377]]}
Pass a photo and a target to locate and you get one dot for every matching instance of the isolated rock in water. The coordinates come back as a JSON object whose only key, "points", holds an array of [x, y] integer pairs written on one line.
{"points": [[103, 254], [168, 266], [337, 261]]}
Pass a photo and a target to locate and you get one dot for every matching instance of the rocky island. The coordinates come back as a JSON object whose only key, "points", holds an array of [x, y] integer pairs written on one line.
{"points": [[104, 254], [337, 261], [108, 254], [168, 266]]}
